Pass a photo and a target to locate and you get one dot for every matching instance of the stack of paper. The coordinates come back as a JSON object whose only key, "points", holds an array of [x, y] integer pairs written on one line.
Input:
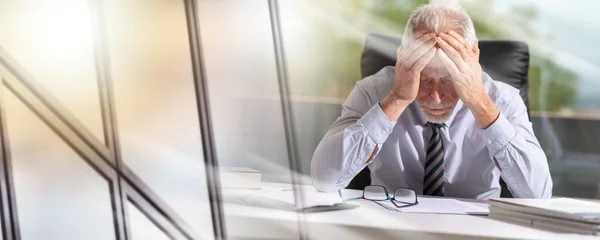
{"points": [[557, 214]]}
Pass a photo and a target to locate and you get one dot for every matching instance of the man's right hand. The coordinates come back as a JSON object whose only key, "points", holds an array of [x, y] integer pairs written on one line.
{"points": [[412, 58]]}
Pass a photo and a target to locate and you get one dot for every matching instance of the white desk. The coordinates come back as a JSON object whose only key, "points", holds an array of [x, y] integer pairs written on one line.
{"points": [[371, 221]]}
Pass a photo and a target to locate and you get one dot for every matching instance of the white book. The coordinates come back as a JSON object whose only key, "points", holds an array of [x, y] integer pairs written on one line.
{"points": [[559, 208], [541, 224], [239, 177], [551, 223]]}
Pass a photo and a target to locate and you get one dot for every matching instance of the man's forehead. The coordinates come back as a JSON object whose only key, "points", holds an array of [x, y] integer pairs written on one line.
{"points": [[435, 68], [436, 63]]}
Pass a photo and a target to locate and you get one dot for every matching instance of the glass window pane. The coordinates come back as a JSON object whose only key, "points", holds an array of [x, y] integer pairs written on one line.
{"points": [[244, 93], [243, 86], [52, 42], [58, 195], [141, 227], [156, 105]]}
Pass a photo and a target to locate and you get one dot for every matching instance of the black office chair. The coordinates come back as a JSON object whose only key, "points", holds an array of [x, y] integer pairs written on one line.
{"points": [[506, 61]]}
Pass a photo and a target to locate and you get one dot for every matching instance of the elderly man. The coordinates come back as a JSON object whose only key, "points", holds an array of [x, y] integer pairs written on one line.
{"points": [[435, 123]]}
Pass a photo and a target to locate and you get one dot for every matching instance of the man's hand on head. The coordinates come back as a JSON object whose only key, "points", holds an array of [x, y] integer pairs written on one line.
{"points": [[462, 62], [413, 56]]}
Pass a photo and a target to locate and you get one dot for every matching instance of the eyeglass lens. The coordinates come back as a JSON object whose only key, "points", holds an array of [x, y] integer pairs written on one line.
{"points": [[375, 193], [405, 195]]}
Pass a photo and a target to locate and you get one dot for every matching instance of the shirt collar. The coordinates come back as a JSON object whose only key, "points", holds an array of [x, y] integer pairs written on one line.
{"points": [[420, 117]]}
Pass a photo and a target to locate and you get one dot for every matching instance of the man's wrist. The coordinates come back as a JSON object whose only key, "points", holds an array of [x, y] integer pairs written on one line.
{"points": [[393, 106], [395, 100], [484, 110]]}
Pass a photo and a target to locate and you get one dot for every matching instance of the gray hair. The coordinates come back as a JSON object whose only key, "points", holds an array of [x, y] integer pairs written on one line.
{"points": [[441, 17]]}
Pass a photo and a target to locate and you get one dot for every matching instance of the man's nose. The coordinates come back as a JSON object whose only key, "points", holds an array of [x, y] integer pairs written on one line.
{"points": [[435, 96]]}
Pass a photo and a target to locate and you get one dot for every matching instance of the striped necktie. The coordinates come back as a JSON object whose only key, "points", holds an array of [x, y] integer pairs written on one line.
{"points": [[434, 167]]}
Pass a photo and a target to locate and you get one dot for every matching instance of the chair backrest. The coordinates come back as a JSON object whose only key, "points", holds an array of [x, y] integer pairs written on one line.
{"points": [[505, 61]]}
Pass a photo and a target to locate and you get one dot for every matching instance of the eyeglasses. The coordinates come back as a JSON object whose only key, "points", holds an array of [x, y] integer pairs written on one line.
{"points": [[403, 197]]}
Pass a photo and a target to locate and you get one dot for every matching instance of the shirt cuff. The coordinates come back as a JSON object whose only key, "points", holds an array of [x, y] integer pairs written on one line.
{"points": [[499, 134], [377, 124]]}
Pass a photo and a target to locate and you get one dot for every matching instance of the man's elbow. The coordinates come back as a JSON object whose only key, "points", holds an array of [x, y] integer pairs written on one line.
{"points": [[541, 191], [544, 190], [547, 190], [324, 186], [325, 179]]}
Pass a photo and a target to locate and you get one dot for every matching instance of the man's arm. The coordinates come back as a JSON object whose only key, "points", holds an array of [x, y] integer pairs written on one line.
{"points": [[508, 135], [516, 151], [356, 137], [352, 141]]}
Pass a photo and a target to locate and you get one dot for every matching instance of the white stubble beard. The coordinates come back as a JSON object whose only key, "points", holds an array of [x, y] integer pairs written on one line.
{"points": [[437, 118]]}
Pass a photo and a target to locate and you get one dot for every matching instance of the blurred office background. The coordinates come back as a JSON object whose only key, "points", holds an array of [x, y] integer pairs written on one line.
{"points": [[70, 49]]}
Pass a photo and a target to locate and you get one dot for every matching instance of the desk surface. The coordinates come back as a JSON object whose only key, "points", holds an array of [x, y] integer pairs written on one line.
{"points": [[371, 221]]}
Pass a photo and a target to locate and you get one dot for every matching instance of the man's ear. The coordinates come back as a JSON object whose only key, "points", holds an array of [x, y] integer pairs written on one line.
{"points": [[476, 49]]}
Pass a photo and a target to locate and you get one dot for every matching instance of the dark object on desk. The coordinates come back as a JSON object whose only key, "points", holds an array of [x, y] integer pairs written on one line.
{"points": [[505, 61], [326, 208]]}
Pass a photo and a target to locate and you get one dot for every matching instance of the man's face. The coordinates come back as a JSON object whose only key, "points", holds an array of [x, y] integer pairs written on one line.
{"points": [[437, 97]]}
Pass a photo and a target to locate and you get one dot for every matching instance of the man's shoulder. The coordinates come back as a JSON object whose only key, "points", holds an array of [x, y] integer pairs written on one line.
{"points": [[380, 83]]}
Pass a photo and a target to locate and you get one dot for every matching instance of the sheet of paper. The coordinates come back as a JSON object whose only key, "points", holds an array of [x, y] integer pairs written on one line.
{"points": [[278, 199], [439, 206], [308, 198]]}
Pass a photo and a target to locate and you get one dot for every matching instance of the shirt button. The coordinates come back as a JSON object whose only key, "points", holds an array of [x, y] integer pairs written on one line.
{"points": [[489, 141], [383, 132]]}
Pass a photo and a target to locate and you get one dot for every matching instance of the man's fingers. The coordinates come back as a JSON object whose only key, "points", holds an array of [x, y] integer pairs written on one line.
{"points": [[456, 44], [460, 39], [453, 54], [417, 35], [419, 52], [421, 40], [423, 61], [408, 49], [406, 42], [449, 64]]}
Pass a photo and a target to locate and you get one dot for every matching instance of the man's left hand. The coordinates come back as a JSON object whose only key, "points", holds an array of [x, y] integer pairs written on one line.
{"points": [[462, 62]]}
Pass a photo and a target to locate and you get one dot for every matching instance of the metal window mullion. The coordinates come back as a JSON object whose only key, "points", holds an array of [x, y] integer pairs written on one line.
{"points": [[203, 105], [103, 71], [162, 209], [8, 206], [65, 125], [286, 107], [62, 122], [166, 225], [28, 84], [70, 137], [96, 161]]}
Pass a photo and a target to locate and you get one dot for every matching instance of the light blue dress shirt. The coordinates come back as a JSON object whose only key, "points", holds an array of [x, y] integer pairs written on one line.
{"points": [[470, 171]]}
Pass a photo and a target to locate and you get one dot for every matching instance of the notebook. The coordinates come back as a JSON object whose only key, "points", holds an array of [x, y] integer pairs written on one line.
{"points": [[563, 208]]}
